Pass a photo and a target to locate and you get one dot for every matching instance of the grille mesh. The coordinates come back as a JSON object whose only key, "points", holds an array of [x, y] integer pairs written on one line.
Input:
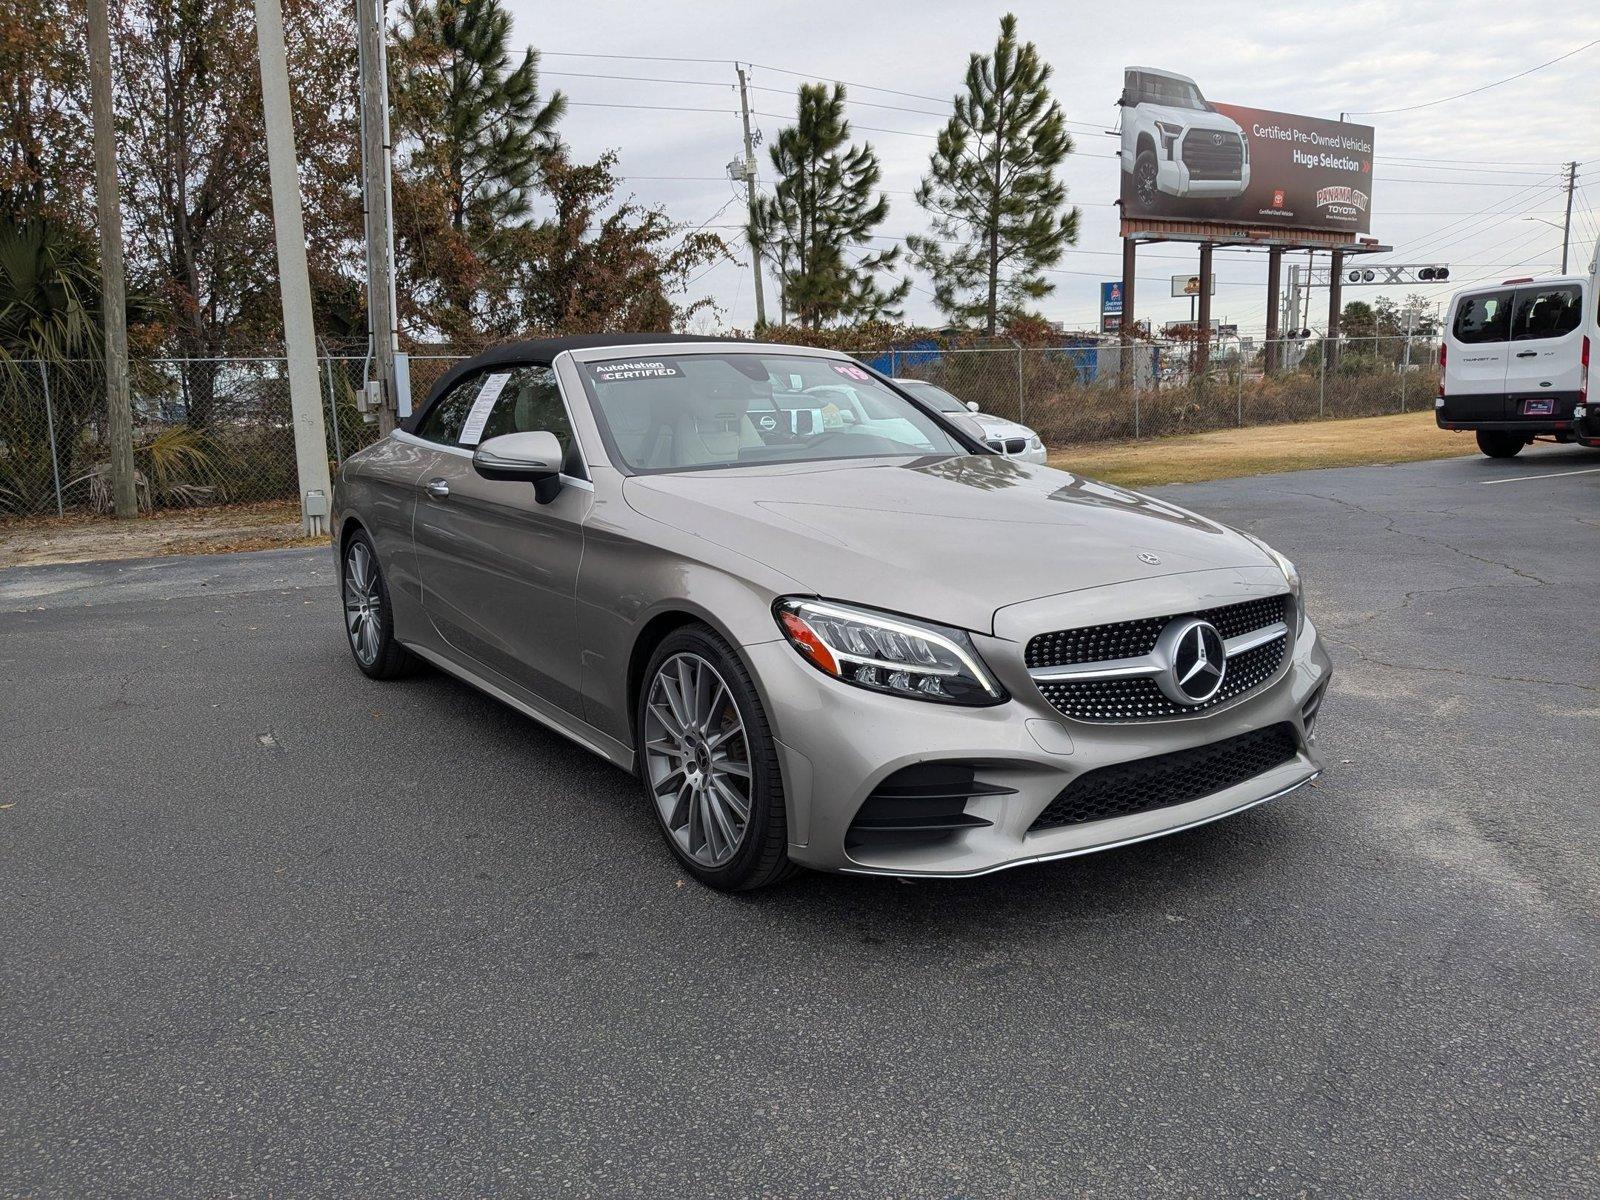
{"points": [[1142, 700], [1147, 784], [1208, 158], [1129, 639]]}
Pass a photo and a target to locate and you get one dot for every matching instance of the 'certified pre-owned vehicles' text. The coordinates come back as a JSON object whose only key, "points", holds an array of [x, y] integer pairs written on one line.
{"points": [[823, 622]]}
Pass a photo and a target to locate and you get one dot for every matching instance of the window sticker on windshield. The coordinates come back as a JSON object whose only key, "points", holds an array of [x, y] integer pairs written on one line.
{"points": [[850, 371], [493, 385], [636, 368]]}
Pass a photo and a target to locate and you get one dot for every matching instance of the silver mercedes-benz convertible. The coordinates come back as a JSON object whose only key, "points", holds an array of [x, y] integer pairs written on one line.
{"points": [[823, 622]]}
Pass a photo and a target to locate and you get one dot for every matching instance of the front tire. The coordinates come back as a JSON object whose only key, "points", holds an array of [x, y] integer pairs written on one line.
{"points": [[1145, 173], [368, 615], [709, 763], [1497, 444]]}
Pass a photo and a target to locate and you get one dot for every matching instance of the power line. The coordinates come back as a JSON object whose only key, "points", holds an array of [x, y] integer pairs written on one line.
{"points": [[1379, 112]]}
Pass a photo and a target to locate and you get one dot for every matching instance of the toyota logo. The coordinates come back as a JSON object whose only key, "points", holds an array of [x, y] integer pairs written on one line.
{"points": [[1195, 661]]}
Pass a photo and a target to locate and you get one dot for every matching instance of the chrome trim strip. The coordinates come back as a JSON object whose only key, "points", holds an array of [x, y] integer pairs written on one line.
{"points": [[1111, 668], [1146, 665], [1095, 849], [1256, 638]]}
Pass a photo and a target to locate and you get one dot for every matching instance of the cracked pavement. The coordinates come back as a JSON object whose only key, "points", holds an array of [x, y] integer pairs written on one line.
{"points": [[268, 928]]}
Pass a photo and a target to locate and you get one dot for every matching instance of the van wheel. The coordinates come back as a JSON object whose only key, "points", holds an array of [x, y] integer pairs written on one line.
{"points": [[1144, 178], [1500, 445]]}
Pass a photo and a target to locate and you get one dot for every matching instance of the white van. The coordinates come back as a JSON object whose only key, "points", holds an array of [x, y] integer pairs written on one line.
{"points": [[1515, 360]]}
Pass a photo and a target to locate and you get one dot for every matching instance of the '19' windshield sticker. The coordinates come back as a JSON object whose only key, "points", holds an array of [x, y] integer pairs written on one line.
{"points": [[852, 372], [638, 368]]}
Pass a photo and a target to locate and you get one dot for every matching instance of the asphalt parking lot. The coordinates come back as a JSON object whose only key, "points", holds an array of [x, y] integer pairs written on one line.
{"points": [[267, 928]]}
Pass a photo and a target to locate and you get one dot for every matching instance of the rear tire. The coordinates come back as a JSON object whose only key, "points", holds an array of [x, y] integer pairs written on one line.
{"points": [[689, 768], [368, 615], [1497, 444]]}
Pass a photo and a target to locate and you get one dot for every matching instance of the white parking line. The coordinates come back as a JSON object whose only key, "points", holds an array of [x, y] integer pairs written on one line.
{"points": [[1543, 475]]}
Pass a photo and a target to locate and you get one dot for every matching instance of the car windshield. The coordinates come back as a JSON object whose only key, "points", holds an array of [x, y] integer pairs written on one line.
{"points": [[934, 395], [681, 412], [1173, 93]]}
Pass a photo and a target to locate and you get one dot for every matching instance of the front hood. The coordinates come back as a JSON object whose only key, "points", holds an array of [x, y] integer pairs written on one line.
{"points": [[949, 539], [1189, 118], [1000, 427]]}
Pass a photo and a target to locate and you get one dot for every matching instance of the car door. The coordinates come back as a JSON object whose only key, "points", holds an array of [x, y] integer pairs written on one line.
{"points": [[1545, 367], [1480, 330], [499, 569]]}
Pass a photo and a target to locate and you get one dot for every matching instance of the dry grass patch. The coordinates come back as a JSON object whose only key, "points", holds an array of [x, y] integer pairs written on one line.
{"points": [[85, 537], [1264, 449]]}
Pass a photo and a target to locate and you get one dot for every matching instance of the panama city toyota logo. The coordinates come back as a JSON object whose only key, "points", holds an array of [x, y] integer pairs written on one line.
{"points": [[1196, 661]]}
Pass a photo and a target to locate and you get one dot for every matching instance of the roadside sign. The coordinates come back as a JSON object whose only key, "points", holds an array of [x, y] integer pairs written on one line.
{"points": [[1111, 298], [1189, 285]]}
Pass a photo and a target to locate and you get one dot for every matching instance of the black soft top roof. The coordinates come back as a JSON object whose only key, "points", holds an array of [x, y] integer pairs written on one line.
{"points": [[541, 352]]}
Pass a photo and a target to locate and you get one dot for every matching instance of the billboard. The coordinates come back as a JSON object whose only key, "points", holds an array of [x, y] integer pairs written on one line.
{"points": [[1185, 158], [1189, 285]]}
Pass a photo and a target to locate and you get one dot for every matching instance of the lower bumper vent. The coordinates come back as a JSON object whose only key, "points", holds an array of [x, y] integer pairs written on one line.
{"points": [[921, 803], [1146, 784]]}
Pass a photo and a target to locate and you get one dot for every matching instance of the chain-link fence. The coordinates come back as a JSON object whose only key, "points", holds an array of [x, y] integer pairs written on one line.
{"points": [[205, 430], [220, 430], [1102, 391]]}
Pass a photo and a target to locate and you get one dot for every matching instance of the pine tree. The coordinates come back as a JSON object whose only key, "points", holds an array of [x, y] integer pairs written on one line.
{"points": [[479, 121], [998, 214], [817, 225]]}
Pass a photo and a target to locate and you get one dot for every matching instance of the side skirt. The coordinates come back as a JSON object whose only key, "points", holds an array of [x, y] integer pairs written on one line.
{"points": [[590, 738]]}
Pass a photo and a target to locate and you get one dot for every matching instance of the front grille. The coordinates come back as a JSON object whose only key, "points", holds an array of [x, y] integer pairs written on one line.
{"points": [[1129, 639], [1146, 784], [1016, 445], [1210, 155], [1140, 699], [998, 445]]}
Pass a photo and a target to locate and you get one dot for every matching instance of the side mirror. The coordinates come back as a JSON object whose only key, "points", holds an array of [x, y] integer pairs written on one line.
{"points": [[972, 406], [523, 458]]}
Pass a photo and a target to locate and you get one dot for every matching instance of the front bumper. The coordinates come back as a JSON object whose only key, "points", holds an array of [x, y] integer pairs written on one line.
{"points": [[1173, 178], [837, 743]]}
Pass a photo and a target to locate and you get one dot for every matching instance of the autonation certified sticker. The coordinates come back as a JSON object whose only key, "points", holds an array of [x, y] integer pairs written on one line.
{"points": [[638, 368]]}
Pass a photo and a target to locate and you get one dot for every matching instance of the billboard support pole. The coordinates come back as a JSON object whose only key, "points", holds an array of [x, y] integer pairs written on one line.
{"points": [[1130, 250], [1274, 282], [1202, 355], [1335, 294]]}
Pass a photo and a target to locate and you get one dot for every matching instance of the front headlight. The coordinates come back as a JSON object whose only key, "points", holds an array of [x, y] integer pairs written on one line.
{"points": [[886, 653], [1169, 137], [1036, 442]]}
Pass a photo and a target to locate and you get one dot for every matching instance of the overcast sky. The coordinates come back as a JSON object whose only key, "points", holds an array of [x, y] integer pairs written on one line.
{"points": [[1312, 58]]}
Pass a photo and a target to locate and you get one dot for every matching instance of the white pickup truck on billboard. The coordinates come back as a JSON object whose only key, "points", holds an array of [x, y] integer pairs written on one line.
{"points": [[1186, 158]]}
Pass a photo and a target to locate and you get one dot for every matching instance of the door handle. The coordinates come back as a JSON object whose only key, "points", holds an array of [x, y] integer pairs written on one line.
{"points": [[438, 489], [1528, 354]]}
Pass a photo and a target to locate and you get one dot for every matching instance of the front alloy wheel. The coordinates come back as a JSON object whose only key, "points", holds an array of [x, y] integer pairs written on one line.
{"points": [[709, 763], [368, 619], [698, 759]]}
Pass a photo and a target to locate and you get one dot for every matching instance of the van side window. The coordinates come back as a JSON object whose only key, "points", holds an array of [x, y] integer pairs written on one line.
{"points": [[1485, 317], [1546, 312]]}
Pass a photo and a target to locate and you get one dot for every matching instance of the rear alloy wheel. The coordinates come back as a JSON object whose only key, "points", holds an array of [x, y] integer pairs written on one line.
{"points": [[1500, 445], [709, 764], [368, 619]]}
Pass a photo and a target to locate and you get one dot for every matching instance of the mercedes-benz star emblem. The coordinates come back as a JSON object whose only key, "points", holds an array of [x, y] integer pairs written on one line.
{"points": [[1195, 658], [1150, 560]]}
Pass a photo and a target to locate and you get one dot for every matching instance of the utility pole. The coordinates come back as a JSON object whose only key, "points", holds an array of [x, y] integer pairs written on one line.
{"points": [[750, 197], [1566, 230], [377, 206], [113, 299], [294, 281]]}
